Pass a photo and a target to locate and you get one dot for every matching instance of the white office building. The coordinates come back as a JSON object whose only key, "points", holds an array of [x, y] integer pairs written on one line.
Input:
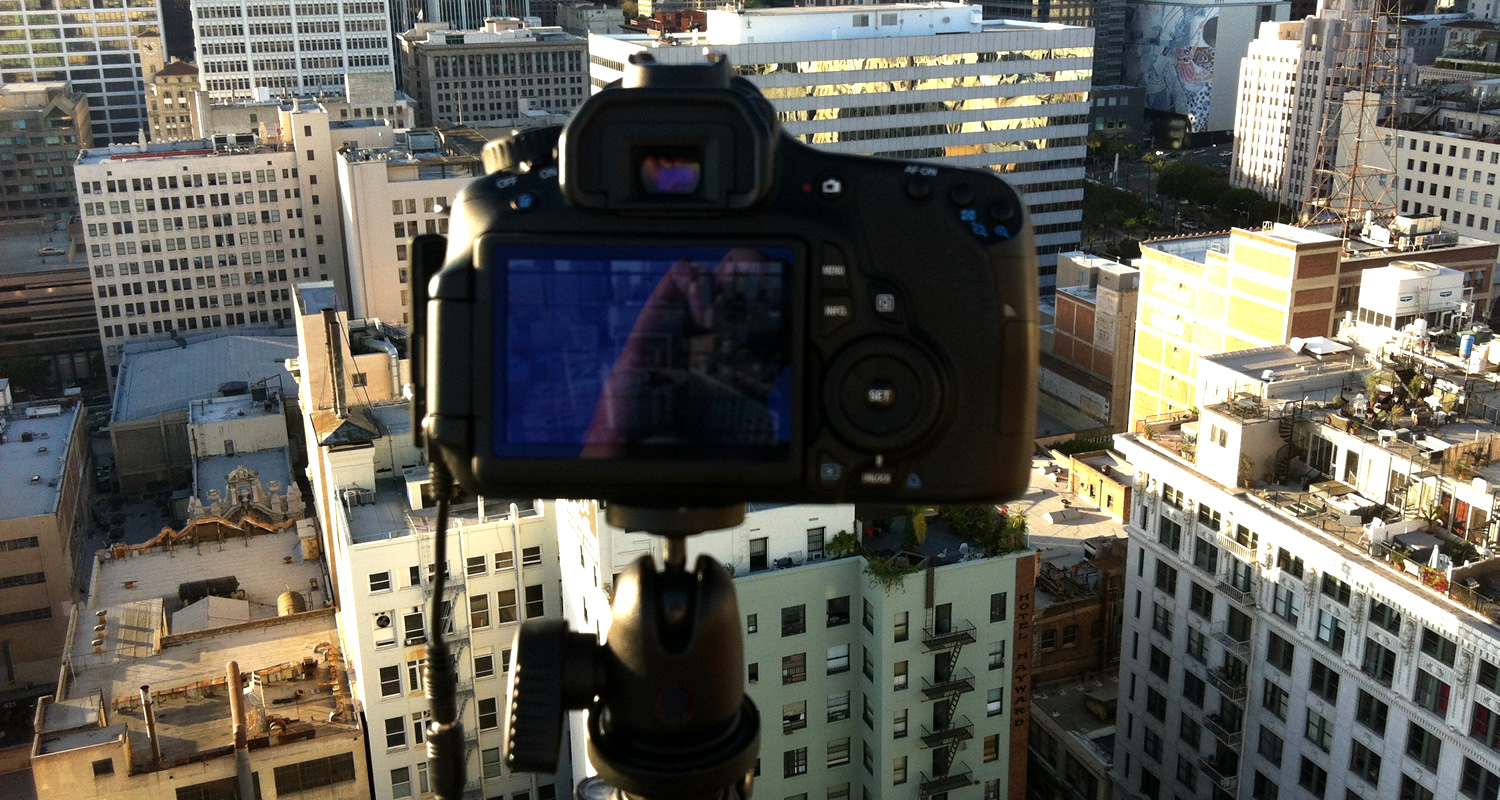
{"points": [[250, 49], [93, 47], [913, 81], [1447, 167], [374, 508], [1283, 106], [923, 687], [1311, 597], [209, 233]]}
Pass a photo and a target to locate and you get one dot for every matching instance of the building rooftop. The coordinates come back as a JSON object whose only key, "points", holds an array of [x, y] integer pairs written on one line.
{"points": [[188, 148], [314, 298], [210, 473], [173, 611], [220, 409], [1192, 248], [1292, 234], [1284, 361], [1086, 708], [31, 468], [28, 246], [160, 376], [178, 68]]}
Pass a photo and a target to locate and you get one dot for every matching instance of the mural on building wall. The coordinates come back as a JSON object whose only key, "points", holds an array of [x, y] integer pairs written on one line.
{"points": [[1170, 51]]}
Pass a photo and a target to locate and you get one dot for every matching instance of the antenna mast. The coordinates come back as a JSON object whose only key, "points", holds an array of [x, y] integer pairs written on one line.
{"points": [[1353, 175]]}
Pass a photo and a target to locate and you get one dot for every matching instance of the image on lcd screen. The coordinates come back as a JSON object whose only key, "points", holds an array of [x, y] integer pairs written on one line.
{"points": [[680, 352]]}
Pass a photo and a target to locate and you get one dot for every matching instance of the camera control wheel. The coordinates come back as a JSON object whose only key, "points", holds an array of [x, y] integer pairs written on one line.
{"points": [[882, 394]]}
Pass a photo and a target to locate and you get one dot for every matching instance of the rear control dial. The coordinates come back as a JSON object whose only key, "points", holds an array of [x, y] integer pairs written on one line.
{"points": [[882, 395]]}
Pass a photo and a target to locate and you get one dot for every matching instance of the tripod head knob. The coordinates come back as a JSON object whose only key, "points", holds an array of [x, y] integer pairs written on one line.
{"points": [[555, 670]]}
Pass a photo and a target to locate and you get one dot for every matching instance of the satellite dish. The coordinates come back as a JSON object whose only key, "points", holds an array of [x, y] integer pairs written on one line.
{"points": [[382, 620]]}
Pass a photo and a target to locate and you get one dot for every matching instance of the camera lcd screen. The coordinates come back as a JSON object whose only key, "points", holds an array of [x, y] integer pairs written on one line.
{"points": [[644, 352]]}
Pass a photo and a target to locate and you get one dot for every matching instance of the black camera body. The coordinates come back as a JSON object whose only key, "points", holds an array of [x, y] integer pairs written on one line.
{"points": [[689, 307]]}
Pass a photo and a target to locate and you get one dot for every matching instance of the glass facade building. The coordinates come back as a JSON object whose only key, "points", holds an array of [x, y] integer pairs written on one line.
{"points": [[88, 43]]}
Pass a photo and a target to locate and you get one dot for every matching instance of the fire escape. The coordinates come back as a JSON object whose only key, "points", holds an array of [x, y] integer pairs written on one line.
{"points": [[945, 640]]}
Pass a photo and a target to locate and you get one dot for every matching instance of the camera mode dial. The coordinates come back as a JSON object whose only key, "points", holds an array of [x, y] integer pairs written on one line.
{"points": [[882, 394]]}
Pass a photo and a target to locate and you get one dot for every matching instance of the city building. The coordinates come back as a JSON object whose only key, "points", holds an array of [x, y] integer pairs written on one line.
{"points": [[174, 97], [387, 196], [1444, 163], [160, 381], [1258, 288], [249, 49], [45, 466], [925, 685], [99, 60], [1117, 113], [42, 128], [242, 467], [1187, 55], [49, 308], [1311, 590], [200, 653], [212, 233], [582, 19], [1073, 739], [1089, 348], [1106, 17], [934, 81], [1283, 106], [518, 71], [371, 488], [1425, 36]]}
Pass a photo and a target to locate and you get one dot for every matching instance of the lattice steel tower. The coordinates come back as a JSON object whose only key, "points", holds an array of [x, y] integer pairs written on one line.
{"points": [[1353, 169]]}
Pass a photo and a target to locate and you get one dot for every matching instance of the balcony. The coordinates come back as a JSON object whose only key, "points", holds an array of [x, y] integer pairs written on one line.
{"points": [[1235, 642], [1230, 686], [1232, 545], [1237, 595], [944, 783], [958, 683], [1228, 731], [958, 730], [953, 635], [1217, 774]]}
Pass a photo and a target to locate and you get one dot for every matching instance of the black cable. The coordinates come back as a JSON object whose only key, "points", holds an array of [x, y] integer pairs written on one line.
{"points": [[445, 733]]}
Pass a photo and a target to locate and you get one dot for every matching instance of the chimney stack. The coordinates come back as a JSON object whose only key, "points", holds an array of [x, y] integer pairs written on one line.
{"points": [[241, 732], [151, 725]]}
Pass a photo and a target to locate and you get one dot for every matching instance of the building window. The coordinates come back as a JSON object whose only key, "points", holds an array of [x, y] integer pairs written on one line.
{"points": [[1313, 778], [1274, 700], [838, 752], [531, 556], [1201, 601], [1288, 563], [474, 565], [758, 560], [838, 707], [505, 609], [794, 716], [1161, 663], [1385, 616], [793, 620], [899, 676], [489, 713], [1270, 746], [838, 611], [1411, 790], [991, 748], [1365, 763], [899, 625], [490, 765], [380, 581], [1371, 712], [1156, 704], [1331, 631], [994, 703], [484, 666], [794, 762], [898, 770], [1323, 681], [104, 766], [400, 782], [1286, 603], [1319, 730], [794, 668], [752, 623], [1280, 653], [390, 681], [999, 606], [898, 725], [1438, 646], [1166, 578], [1379, 662], [1423, 746], [1478, 782], [838, 659], [479, 610], [815, 543], [1431, 693], [1336, 589], [536, 605]]}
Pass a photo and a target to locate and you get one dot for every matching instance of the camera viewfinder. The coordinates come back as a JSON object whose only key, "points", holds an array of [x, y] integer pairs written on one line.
{"points": [[674, 171]]}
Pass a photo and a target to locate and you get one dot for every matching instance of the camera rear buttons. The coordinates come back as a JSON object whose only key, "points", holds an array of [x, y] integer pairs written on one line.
{"points": [[833, 270], [830, 187], [835, 313], [525, 201], [919, 188]]}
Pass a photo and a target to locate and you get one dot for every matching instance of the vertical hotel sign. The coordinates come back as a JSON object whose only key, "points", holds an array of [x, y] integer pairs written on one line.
{"points": [[1020, 673]]}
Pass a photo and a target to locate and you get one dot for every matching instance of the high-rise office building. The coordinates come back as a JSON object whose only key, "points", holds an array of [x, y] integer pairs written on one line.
{"points": [[203, 233], [932, 81], [506, 74], [99, 58], [1106, 17], [1311, 596], [925, 684], [1260, 288], [1283, 106], [42, 128], [249, 49]]}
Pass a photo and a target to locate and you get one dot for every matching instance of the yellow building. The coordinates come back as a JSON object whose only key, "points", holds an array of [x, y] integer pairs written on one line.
{"points": [[1202, 295]]}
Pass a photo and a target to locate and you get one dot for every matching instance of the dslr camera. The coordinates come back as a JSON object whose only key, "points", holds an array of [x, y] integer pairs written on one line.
{"points": [[675, 303]]}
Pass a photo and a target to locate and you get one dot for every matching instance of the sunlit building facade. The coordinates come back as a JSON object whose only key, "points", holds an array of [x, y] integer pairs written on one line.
{"points": [[931, 81], [247, 47]]}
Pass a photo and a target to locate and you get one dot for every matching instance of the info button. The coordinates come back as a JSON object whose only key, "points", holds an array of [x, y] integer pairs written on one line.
{"points": [[835, 313]]}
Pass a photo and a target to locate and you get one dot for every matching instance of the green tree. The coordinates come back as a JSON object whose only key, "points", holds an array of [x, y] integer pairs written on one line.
{"points": [[628, 7]]}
